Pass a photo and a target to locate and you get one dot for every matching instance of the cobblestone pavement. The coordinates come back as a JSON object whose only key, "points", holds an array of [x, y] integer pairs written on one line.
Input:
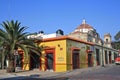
{"points": [[47, 75], [103, 73]]}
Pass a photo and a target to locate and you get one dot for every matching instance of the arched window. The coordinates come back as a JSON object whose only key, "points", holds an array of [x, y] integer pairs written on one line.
{"points": [[106, 40]]}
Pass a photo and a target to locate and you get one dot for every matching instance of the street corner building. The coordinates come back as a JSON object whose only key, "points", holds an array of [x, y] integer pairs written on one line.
{"points": [[81, 48], [65, 53]]}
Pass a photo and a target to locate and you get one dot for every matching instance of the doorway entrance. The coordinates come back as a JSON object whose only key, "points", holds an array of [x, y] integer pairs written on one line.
{"points": [[110, 59], [75, 59], [49, 61], [34, 61], [19, 62], [97, 56], [106, 58], [89, 60]]}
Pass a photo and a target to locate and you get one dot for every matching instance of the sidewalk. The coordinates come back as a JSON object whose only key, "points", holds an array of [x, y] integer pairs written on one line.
{"points": [[42, 74]]}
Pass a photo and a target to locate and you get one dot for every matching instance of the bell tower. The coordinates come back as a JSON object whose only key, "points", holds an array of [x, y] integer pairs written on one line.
{"points": [[107, 40]]}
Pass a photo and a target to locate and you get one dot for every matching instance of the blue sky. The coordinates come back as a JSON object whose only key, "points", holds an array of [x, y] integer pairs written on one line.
{"points": [[50, 15]]}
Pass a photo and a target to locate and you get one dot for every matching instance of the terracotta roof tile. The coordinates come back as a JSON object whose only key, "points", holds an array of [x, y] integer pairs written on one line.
{"points": [[86, 26]]}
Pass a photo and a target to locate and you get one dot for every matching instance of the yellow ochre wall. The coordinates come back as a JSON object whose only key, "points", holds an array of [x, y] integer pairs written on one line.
{"points": [[63, 54], [26, 62], [60, 54]]}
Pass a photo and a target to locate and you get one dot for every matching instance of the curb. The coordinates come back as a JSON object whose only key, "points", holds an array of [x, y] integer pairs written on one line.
{"points": [[40, 74]]}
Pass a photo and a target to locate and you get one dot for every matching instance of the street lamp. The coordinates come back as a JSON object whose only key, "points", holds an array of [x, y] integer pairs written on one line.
{"points": [[102, 56]]}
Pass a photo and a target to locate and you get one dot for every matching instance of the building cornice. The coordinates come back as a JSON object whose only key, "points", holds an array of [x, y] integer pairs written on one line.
{"points": [[64, 38]]}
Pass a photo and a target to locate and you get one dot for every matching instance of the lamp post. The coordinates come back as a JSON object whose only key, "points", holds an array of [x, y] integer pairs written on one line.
{"points": [[102, 56]]}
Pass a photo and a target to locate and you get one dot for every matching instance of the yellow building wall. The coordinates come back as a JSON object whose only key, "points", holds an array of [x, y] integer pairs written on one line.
{"points": [[63, 54], [60, 54], [26, 62]]}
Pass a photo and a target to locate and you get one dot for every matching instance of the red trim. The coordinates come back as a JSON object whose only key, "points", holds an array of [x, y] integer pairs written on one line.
{"points": [[75, 48], [88, 51]]}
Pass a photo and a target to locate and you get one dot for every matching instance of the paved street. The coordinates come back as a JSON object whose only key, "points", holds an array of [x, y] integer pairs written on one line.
{"points": [[106, 73], [109, 72]]}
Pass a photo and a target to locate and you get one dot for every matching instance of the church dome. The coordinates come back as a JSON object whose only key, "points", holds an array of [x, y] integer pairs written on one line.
{"points": [[84, 26]]}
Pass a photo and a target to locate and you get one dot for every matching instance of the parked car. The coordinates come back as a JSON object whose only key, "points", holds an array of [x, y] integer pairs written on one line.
{"points": [[117, 60]]}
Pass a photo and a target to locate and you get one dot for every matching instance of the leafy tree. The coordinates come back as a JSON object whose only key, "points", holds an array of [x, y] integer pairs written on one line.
{"points": [[117, 36], [116, 43], [12, 37]]}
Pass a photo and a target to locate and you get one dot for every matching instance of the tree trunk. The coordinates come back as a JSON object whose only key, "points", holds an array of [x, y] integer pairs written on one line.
{"points": [[11, 66], [3, 57]]}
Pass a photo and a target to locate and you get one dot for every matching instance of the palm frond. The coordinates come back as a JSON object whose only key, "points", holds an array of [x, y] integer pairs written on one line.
{"points": [[14, 37]]}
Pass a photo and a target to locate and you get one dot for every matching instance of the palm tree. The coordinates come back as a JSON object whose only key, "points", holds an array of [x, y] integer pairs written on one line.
{"points": [[117, 36], [116, 43], [13, 37]]}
